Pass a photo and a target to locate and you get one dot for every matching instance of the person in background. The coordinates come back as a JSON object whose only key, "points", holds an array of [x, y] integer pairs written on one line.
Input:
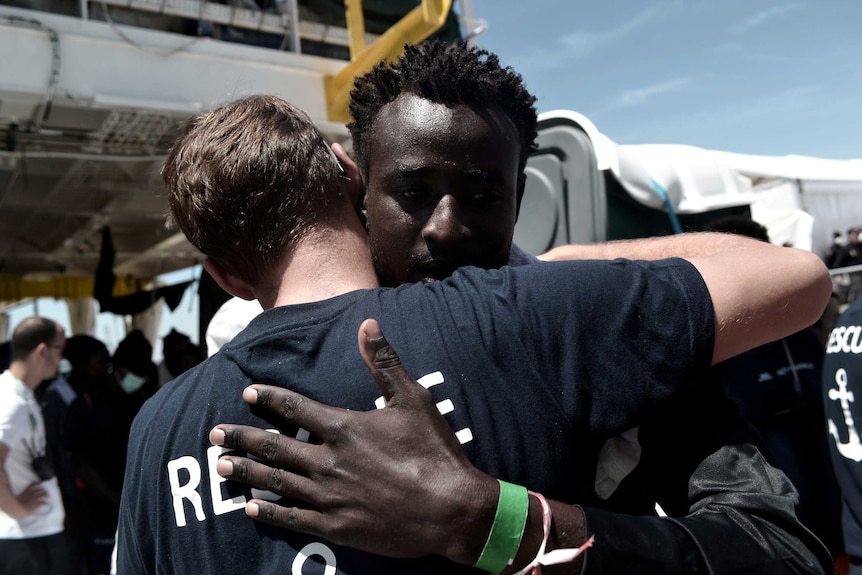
{"points": [[850, 255], [834, 249], [777, 388], [94, 439], [134, 370], [31, 506], [842, 398], [112, 390], [179, 356], [851, 252], [81, 358]]}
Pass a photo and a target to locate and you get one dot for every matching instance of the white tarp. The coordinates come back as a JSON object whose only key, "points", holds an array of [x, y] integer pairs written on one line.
{"points": [[800, 200], [694, 181], [829, 192]]}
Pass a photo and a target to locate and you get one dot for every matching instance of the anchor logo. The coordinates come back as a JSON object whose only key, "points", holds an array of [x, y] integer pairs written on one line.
{"points": [[853, 448]]}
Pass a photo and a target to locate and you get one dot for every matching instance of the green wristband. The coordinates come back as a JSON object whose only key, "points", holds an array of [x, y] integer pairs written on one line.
{"points": [[507, 530]]}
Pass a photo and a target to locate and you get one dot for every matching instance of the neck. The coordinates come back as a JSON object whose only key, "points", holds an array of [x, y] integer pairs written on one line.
{"points": [[324, 266], [23, 372]]}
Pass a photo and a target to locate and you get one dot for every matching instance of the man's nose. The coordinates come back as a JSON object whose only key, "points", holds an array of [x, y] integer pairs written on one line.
{"points": [[446, 226]]}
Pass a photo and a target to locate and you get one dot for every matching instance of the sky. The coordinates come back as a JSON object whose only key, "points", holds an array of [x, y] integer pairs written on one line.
{"points": [[770, 77], [763, 77]]}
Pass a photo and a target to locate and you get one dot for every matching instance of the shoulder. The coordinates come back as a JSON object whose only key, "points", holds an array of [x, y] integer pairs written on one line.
{"points": [[13, 414], [10, 400], [8, 383], [183, 398]]}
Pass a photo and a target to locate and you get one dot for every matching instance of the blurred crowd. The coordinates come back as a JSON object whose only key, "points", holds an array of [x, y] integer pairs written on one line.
{"points": [[845, 251], [88, 410]]}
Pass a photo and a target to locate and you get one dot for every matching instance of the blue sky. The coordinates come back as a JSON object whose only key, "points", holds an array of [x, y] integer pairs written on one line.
{"points": [[750, 76]]}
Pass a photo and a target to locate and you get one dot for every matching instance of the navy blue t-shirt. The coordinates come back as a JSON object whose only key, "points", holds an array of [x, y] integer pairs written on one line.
{"points": [[533, 367], [842, 397]]}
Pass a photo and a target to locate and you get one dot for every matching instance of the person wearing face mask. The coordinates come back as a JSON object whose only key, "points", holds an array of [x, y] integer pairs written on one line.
{"points": [[134, 369], [111, 391]]}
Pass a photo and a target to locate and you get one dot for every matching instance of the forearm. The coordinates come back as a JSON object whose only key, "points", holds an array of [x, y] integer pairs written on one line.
{"points": [[9, 504], [741, 519], [467, 539], [750, 530], [761, 293], [729, 510], [640, 545], [741, 502], [568, 531], [699, 244], [725, 541]]}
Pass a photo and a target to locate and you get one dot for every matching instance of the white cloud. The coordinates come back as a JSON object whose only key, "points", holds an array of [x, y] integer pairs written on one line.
{"points": [[791, 104], [642, 95], [741, 51], [797, 104], [760, 18], [584, 42], [746, 118], [537, 58]]}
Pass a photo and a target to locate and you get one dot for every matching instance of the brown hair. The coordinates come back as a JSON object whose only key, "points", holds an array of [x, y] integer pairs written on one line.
{"points": [[248, 180], [30, 333]]}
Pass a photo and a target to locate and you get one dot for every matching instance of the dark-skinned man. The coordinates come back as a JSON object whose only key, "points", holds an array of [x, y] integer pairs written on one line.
{"points": [[444, 170], [254, 187]]}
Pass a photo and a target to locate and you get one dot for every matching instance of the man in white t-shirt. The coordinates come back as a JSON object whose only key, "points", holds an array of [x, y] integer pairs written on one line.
{"points": [[31, 508]]}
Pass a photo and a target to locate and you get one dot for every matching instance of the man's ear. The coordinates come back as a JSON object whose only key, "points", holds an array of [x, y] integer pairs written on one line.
{"points": [[351, 180], [227, 281], [41, 350], [522, 183]]}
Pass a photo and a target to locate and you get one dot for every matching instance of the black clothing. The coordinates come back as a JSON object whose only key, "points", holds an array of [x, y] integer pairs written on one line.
{"points": [[842, 397], [541, 370], [778, 389]]}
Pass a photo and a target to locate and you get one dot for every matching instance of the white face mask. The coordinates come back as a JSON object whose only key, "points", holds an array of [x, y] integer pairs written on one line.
{"points": [[131, 382]]}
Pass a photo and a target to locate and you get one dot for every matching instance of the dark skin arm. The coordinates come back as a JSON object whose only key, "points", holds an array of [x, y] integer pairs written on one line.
{"points": [[394, 481]]}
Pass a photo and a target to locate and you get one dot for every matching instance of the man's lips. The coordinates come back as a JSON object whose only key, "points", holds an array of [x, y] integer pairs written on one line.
{"points": [[437, 269]]}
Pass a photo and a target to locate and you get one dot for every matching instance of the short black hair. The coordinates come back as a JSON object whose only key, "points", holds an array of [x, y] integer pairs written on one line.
{"points": [[80, 349], [449, 74], [741, 226], [134, 353]]}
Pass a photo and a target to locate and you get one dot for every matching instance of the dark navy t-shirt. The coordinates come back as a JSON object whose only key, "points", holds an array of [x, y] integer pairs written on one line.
{"points": [[533, 367], [842, 397]]}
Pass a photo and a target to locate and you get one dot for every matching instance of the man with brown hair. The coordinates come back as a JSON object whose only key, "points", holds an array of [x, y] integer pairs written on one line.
{"points": [[254, 186], [31, 508], [442, 136]]}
